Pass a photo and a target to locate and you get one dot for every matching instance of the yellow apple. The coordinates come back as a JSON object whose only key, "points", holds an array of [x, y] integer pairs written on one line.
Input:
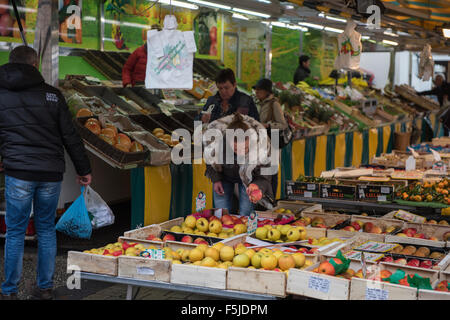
{"points": [[218, 245], [256, 260], [176, 229], [240, 228], [208, 262], [265, 251], [196, 255], [250, 253], [223, 235], [202, 247], [197, 263], [176, 262], [268, 226], [190, 221], [285, 229], [269, 262], [211, 234], [293, 234], [278, 253], [187, 230], [185, 255], [286, 262], [199, 233], [240, 248], [222, 265], [202, 225], [215, 226], [274, 235], [241, 260], [261, 233], [226, 253], [299, 259], [212, 253]]}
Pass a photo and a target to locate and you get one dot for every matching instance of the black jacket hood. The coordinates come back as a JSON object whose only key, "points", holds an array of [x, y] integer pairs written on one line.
{"points": [[18, 76]]}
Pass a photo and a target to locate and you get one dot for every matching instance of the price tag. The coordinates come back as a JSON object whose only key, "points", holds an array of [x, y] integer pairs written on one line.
{"points": [[308, 194], [200, 202], [385, 190], [382, 198], [311, 187], [145, 271], [408, 216], [218, 213], [319, 284], [153, 254], [252, 223], [376, 294], [410, 164]]}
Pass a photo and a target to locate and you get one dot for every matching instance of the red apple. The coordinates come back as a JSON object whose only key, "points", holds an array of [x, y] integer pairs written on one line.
{"points": [[150, 237], [368, 226], [302, 250], [169, 237], [213, 218], [401, 261], [355, 225], [126, 245], [236, 220], [420, 235], [200, 241], [187, 239], [388, 259], [227, 220], [349, 228], [426, 264], [413, 263], [410, 232]]}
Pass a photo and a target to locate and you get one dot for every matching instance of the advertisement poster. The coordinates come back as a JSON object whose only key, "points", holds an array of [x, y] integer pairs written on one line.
{"points": [[70, 29], [230, 51], [285, 53], [207, 29], [252, 65], [322, 49], [9, 26]]}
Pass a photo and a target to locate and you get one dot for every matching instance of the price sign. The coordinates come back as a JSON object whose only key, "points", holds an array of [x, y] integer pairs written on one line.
{"points": [[145, 271], [408, 216], [375, 193], [331, 191], [319, 284], [153, 254], [200, 202], [252, 223], [376, 294], [302, 189]]}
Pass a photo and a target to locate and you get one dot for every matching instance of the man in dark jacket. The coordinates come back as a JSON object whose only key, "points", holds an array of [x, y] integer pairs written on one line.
{"points": [[228, 100], [35, 127], [440, 90], [302, 71]]}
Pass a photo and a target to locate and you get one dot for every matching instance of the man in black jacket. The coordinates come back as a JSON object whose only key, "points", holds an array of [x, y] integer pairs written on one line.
{"points": [[35, 127], [303, 70], [441, 89]]}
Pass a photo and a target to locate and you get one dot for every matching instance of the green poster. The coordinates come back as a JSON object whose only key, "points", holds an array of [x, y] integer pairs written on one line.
{"points": [[285, 53], [322, 49]]}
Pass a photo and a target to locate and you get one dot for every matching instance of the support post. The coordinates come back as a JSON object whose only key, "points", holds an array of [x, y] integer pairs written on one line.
{"points": [[101, 19], [46, 40], [268, 51]]}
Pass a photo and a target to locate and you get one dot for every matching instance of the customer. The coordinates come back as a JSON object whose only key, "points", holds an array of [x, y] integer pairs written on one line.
{"points": [[270, 113], [134, 70], [226, 175], [228, 100], [441, 89], [35, 127], [303, 70]]}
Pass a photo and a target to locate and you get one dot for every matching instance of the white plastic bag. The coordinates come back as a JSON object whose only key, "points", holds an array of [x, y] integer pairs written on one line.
{"points": [[350, 48], [101, 215]]}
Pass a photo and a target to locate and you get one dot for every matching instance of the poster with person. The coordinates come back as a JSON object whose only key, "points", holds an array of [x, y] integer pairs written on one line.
{"points": [[9, 27], [70, 27], [208, 30]]}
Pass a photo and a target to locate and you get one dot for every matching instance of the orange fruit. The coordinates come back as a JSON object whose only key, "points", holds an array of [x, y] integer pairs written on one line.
{"points": [[84, 112]]}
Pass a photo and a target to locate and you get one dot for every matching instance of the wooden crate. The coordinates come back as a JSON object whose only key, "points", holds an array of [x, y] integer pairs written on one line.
{"points": [[319, 286], [316, 233], [146, 243], [294, 206], [330, 219], [171, 223], [348, 245], [364, 289], [428, 229], [351, 234], [199, 276], [143, 233], [93, 263], [144, 268], [257, 281], [433, 294]]}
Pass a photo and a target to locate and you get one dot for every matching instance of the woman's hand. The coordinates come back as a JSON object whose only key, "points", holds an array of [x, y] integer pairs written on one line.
{"points": [[218, 188]]}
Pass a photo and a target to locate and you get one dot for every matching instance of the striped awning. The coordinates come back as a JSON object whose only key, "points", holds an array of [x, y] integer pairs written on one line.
{"points": [[438, 10]]}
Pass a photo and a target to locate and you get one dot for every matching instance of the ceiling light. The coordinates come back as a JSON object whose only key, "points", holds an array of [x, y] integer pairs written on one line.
{"points": [[336, 19], [393, 43], [252, 13], [288, 6], [311, 25], [333, 30], [365, 37], [389, 32], [265, 1], [179, 4], [446, 33], [322, 15], [279, 24], [211, 4], [294, 27], [239, 16]]}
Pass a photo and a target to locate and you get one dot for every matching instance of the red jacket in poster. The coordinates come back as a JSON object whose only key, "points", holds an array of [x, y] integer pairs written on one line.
{"points": [[134, 69]]}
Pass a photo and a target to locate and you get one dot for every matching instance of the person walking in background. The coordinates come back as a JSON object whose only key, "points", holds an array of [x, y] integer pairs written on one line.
{"points": [[134, 70], [228, 100], [35, 128], [441, 89], [303, 70], [271, 114]]}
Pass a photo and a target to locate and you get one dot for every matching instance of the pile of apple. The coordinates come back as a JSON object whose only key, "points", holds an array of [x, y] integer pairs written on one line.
{"points": [[283, 210], [316, 222], [281, 233], [212, 227], [427, 264], [368, 227], [171, 237], [277, 221], [119, 248], [327, 268], [222, 256], [444, 286], [412, 233], [323, 241]]}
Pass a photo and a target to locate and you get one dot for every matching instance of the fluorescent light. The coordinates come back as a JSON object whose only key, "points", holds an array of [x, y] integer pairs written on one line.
{"points": [[311, 25], [446, 33], [365, 37], [393, 43], [211, 4], [389, 32], [265, 1], [322, 15], [239, 16], [89, 18], [252, 13], [334, 30], [179, 4], [336, 19], [289, 6], [279, 24], [294, 27]]}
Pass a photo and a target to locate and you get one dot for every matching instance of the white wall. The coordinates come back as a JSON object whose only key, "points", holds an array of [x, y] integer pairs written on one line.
{"points": [[111, 184], [402, 66], [378, 63]]}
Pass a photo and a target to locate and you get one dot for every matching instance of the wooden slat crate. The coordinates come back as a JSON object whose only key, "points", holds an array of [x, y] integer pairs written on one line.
{"points": [[199, 276], [144, 268], [429, 230], [257, 281], [93, 263], [143, 233]]}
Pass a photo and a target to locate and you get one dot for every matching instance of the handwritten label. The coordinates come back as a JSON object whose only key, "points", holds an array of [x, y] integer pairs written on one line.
{"points": [[376, 294], [145, 271], [319, 284], [381, 198], [252, 223], [386, 190], [357, 255]]}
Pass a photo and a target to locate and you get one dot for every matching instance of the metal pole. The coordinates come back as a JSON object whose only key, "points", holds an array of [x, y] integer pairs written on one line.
{"points": [[269, 51], [19, 22], [301, 42], [102, 25]]}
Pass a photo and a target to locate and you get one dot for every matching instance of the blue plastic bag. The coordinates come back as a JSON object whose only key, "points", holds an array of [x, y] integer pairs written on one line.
{"points": [[75, 221]]}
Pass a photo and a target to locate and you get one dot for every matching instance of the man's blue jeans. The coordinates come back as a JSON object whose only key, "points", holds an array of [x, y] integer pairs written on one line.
{"points": [[20, 195], [226, 201]]}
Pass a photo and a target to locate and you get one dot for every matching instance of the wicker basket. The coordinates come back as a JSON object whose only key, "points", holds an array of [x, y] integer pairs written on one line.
{"points": [[109, 150]]}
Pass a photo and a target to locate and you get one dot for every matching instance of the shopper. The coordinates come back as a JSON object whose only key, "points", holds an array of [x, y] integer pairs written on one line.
{"points": [[441, 89], [228, 100], [134, 70], [270, 113], [303, 70], [225, 176], [35, 127]]}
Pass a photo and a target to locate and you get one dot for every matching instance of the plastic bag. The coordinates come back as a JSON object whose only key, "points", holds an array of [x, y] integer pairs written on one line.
{"points": [[75, 221], [98, 210], [350, 48]]}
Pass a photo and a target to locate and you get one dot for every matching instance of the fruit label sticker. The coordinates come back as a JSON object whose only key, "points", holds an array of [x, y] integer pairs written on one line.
{"points": [[252, 223], [319, 284], [153, 254], [375, 246], [356, 255], [376, 294], [200, 202], [408, 216], [145, 271]]}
